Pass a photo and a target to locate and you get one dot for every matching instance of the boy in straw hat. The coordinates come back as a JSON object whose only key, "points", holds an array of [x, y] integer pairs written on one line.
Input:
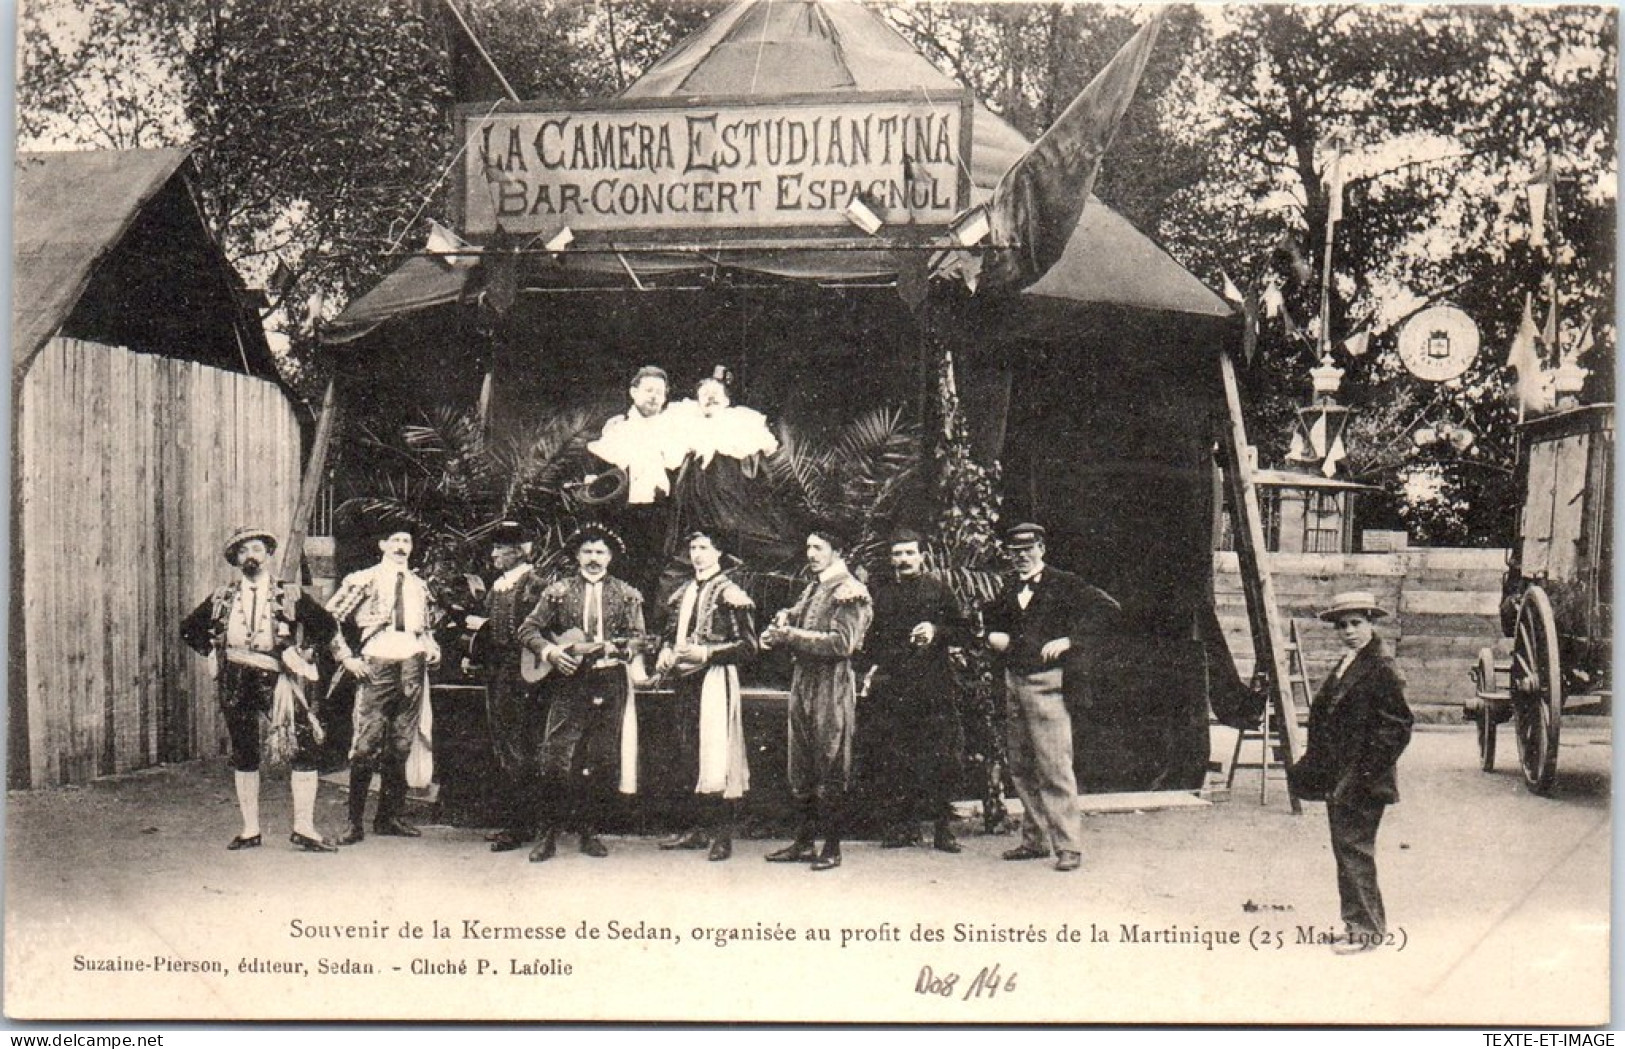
{"points": [[250, 626], [1359, 724]]}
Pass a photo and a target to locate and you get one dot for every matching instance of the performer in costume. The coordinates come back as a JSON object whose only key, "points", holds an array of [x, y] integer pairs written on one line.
{"points": [[580, 626], [392, 611], [512, 714], [710, 629], [908, 726], [644, 445], [254, 627], [721, 488], [823, 630]]}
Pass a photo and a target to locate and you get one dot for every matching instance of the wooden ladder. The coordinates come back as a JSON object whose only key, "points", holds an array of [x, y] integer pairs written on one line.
{"points": [[1263, 616], [1267, 734]]}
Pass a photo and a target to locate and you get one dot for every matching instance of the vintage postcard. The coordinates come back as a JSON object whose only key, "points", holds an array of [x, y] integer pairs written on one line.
{"points": [[817, 512]]}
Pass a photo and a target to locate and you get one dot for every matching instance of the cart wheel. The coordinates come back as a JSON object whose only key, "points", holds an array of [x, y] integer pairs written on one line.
{"points": [[1537, 689], [1486, 718]]}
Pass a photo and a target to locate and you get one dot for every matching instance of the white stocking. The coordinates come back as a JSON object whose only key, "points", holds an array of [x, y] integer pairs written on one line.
{"points": [[248, 801], [304, 783]]}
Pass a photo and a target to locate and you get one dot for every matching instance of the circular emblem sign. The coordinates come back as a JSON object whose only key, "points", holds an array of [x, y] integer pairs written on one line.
{"points": [[1438, 343]]}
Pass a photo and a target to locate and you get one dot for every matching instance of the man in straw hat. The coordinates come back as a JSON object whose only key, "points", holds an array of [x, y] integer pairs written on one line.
{"points": [[254, 627], [710, 630], [1037, 627], [510, 703], [823, 630], [587, 628], [393, 612], [1359, 724]]}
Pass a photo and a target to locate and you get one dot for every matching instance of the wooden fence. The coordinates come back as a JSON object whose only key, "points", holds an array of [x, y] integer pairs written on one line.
{"points": [[1445, 603], [131, 471]]}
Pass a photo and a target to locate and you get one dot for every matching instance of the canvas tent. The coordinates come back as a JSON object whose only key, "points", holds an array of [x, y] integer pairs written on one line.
{"points": [[147, 422], [1097, 387]]}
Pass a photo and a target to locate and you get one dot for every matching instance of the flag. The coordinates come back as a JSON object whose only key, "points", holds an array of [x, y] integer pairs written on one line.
{"points": [[282, 279], [1334, 455], [1272, 299], [1526, 360], [1317, 435], [1298, 452], [1357, 344], [1334, 185], [474, 76], [448, 248], [1036, 205], [1231, 292]]}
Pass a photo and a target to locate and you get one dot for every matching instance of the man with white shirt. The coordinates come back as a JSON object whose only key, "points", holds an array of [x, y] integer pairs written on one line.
{"points": [[644, 444], [710, 629], [393, 613], [1037, 627], [823, 631], [510, 702], [248, 625], [585, 627]]}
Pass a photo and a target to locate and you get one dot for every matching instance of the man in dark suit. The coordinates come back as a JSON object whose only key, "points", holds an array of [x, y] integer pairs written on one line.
{"points": [[1359, 724], [1038, 626]]}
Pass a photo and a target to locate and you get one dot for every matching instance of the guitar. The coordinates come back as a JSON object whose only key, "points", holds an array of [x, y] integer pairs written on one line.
{"points": [[533, 669]]}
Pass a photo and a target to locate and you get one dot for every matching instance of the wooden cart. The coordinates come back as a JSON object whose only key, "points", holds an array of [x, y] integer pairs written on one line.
{"points": [[1556, 603]]}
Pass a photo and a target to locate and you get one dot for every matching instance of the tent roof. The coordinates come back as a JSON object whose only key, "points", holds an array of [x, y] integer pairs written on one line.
{"points": [[785, 47], [73, 211]]}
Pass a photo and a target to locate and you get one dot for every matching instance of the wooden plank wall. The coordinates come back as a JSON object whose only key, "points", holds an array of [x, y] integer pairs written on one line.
{"points": [[133, 470], [1446, 602]]}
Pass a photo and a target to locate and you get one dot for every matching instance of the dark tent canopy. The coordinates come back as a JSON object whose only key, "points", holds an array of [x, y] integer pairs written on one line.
{"points": [[1097, 388]]}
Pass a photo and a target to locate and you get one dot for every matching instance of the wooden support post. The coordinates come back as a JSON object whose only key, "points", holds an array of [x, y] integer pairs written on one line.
{"points": [[1263, 616], [292, 555]]}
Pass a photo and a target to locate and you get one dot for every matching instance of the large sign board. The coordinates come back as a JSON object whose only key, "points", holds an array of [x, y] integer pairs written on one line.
{"points": [[710, 169]]}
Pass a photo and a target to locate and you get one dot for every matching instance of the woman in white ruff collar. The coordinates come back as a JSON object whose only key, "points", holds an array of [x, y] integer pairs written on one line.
{"points": [[721, 486]]}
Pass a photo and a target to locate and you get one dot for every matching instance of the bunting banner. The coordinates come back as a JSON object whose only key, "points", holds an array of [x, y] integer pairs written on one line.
{"points": [[1357, 344]]}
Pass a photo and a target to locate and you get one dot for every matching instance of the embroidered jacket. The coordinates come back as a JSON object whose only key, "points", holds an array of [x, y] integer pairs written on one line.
{"points": [[561, 608], [723, 620], [204, 630], [367, 598]]}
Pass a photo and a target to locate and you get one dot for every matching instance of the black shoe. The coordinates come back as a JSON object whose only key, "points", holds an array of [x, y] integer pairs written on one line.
{"points": [[899, 840], [795, 852], [506, 841], [944, 840], [829, 859], [394, 827], [722, 848], [309, 844], [240, 842], [1026, 852], [591, 846], [689, 839], [356, 833], [545, 848]]}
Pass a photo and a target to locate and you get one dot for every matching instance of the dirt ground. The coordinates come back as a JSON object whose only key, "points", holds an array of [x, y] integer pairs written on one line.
{"points": [[1499, 901]]}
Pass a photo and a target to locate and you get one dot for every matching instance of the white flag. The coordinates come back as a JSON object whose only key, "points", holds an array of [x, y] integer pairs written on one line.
{"points": [[1231, 292], [1357, 344]]}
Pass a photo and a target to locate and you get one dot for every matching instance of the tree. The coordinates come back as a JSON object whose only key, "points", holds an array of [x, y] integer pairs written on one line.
{"points": [[1444, 110]]}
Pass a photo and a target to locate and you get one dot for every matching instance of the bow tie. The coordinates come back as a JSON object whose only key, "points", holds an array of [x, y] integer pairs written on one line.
{"points": [[1032, 581]]}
